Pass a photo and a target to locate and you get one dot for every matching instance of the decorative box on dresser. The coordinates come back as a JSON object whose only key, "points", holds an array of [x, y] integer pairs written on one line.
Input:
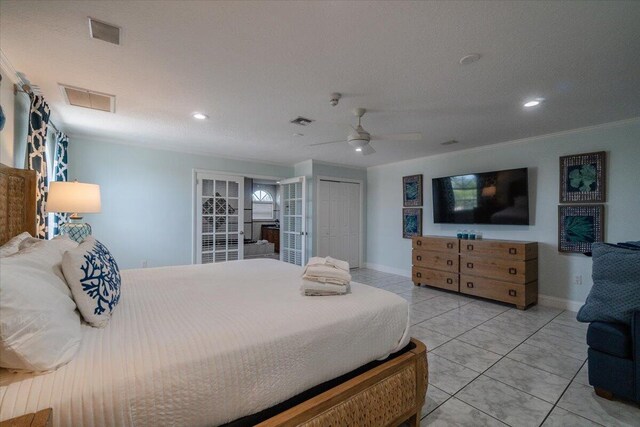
{"points": [[501, 270]]}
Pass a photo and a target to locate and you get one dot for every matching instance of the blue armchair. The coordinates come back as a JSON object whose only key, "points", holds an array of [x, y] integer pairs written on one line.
{"points": [[614, 358]]}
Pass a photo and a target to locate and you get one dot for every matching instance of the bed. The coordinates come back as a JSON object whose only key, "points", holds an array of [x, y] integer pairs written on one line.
{"points": [[232, 343]]}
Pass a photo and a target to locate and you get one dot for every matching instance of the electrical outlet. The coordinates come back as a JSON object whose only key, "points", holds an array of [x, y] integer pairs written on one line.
{"points": [[145, 263], [578, 279]]}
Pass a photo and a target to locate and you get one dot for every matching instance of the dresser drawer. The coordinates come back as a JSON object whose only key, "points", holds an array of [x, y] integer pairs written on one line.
{"points": [[514, 293], [436, 260], [438, 279], [438, 244], [517, 251], [501, 269]]}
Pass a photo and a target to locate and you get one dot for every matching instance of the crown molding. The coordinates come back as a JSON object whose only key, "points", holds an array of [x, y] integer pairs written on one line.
{"points": [[606, 125], [8, 69]]}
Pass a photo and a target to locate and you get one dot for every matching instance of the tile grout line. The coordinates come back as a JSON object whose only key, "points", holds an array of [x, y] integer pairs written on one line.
{"points": [[555, 405], [482, 373]]}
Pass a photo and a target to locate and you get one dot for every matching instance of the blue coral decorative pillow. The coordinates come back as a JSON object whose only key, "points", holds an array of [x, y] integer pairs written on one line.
{"points": [[94, 279]]}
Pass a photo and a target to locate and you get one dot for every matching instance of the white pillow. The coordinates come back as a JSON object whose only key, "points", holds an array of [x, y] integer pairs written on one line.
{"points": [[39, 325], [94, 279], [13, 245]]}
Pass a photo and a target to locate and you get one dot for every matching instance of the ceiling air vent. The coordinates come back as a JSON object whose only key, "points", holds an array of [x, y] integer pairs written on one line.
{"points": [[89, 99], [102, 31], [301, 121]]}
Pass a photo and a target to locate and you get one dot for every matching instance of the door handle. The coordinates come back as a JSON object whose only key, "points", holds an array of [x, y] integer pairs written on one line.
{"points": [[240, 232], [512, 292], [449, 245], [469, 247], [419, 257], [513, 270], [469, 265], [469, 284], [513, 251], [449, 262], [419, 242], [418, 274], [449, 280]]}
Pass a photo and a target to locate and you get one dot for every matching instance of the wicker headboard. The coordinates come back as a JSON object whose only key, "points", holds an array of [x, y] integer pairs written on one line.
{"points": [[17, 202]]}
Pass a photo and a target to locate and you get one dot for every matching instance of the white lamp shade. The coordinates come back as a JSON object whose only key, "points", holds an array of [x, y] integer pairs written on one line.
{"points": [[73, 197]]}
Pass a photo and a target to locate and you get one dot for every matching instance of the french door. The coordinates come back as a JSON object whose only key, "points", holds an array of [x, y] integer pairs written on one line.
{"points": [[220, 218], [293, 227]]}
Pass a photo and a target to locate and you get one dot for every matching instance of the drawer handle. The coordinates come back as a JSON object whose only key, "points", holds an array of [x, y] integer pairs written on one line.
{"points": [[418, 274], [469, 265], [449, 245], [419, 257], [512, 293], [513, 251], [449, 262], [513, 271], [469, 247], [449, 280], [419, 243], [469, 284]]}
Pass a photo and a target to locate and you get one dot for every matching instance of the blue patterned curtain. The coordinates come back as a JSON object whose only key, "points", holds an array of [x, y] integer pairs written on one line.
{"points": [[37, 158], [60, 174]]}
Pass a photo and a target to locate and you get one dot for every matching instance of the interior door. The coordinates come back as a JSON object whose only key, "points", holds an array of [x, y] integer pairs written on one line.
{"points": [[293, 228], [220, 219], [339, 220]]}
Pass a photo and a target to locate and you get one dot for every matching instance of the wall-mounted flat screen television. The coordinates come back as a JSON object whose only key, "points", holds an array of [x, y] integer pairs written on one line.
{"points": [[500, 197]]}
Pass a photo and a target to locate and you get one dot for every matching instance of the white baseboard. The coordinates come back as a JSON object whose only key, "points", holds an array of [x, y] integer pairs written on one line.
{"points": [[546, 300], [555, 302], [386, 269]]}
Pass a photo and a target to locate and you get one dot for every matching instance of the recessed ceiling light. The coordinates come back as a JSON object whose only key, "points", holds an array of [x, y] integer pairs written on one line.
{"points": [[200, 116], [469, 59], [359, 149], [298, 134], [533, 103]]}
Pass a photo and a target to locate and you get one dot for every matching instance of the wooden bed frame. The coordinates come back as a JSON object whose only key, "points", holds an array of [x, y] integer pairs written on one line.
{"points": [[389, 394]]}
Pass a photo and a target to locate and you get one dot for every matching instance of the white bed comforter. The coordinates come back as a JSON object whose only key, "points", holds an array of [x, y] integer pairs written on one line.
{"points": [[207, 344]]}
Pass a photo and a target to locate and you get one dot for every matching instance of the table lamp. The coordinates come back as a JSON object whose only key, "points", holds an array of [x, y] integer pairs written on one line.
{"points": [[74, 197]]}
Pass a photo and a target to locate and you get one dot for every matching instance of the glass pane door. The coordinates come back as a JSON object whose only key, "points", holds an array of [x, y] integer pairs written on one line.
{"points": [[220, 212], [293, 223]]}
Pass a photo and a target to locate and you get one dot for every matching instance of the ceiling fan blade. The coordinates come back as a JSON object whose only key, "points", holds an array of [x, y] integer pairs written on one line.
{"points": [[325, 143], [407, 136], [367, 149]]}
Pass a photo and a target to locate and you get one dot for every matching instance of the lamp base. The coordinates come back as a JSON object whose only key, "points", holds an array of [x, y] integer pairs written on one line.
{"points": [[77, 231]]}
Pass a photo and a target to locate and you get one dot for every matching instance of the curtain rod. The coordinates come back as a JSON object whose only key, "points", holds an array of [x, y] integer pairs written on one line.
{"points": [[27, 89]]}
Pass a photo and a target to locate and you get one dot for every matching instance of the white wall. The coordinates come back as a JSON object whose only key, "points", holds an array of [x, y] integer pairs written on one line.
{"points": [[7, 100], [147, 197], [387, 250]]}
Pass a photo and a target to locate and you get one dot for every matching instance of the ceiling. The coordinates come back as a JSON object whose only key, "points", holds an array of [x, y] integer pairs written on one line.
{"points": [[253, 66]]}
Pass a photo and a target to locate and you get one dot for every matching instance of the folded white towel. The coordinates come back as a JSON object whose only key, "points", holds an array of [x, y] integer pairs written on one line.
{"points": [[310, 288], [328, 261], [326, 274]]}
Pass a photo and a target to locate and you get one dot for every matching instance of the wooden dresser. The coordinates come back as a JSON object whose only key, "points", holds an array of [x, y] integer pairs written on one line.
{"points": [[500, 270]]}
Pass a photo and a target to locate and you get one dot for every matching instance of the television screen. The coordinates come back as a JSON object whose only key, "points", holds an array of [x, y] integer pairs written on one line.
{"points": [[500, 197]]}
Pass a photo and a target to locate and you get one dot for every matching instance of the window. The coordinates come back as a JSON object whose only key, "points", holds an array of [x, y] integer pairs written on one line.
{"points": [[262, 205], [465, 192]]}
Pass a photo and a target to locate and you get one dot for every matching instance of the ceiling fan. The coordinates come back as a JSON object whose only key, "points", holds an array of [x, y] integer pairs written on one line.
{"points": [[360, 139]]}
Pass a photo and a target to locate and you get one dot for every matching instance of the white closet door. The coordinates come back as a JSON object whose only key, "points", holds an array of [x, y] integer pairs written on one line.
{"points": [[220, 207], [293, 223], [339, 220]]}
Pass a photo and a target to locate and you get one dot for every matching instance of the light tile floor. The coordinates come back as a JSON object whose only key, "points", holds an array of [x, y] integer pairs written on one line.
{"points": [[493, 365]]}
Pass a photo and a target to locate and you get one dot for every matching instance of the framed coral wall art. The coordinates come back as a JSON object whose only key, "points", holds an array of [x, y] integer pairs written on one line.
{"points": [[582, 178], [579, 227], [411, 222], [412, 190]]}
